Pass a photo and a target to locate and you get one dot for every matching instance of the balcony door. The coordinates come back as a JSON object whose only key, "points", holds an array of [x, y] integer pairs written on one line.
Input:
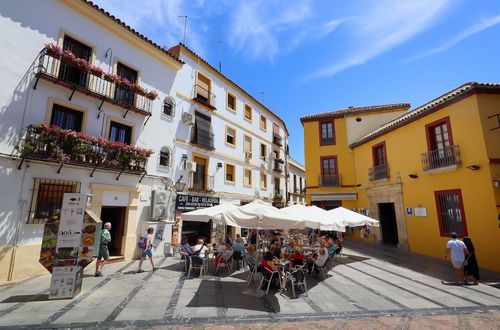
{"points": [[199, 177], [70, 73], [123, 94], [440, 143], [201, 134], [329, 177], [66, 118], [120, 132]]}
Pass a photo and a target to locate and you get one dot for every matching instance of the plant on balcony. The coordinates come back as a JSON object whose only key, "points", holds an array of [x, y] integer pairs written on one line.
{"points": [[26, 148], [124, 83], [152, 95], [113, 78], [278, 196], [136, 88], [96, 71], [53, 50]]}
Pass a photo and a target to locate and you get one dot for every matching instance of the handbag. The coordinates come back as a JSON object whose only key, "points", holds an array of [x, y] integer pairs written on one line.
{"points": [[466, 261]]}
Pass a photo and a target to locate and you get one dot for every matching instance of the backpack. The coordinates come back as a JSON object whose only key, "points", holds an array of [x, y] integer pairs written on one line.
{"points": [[142, 242]]}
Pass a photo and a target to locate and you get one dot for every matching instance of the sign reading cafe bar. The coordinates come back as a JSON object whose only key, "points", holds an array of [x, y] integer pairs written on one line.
{"points": [[192, 202]]}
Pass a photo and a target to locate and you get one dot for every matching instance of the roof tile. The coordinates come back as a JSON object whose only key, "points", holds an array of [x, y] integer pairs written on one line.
{"points": [[355, 110]]}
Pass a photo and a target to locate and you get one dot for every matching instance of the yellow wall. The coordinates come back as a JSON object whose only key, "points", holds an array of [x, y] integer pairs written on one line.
{"points": [[404, 147]]}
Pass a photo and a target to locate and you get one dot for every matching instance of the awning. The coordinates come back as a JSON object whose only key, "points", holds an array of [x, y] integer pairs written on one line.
{"points": [[335, 196]]}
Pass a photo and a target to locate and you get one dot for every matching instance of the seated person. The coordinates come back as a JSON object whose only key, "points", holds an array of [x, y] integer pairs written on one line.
{"points": [[224, 255], [329, 241], [274, 238], [318, 261], [269, 267], [250, 255], [219, 247], [276, 251], [290, 248], [200, 249], [239, 246], [297, 258], [185, 249]]}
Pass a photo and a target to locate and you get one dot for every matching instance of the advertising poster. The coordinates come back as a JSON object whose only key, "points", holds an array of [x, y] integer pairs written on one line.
{"points": [[70, 225], [66, 282]]}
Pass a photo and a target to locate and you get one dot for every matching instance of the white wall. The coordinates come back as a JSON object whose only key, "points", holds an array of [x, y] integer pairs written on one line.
{"points": [[369, 122]]}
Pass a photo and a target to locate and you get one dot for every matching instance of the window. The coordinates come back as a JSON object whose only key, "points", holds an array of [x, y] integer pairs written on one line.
{"points": [[165, 156], [203, 87], [300, 184], [230, 136], [451, 215], [276, 135], [295, 183], [248, 112], [277, 186], [47, 198], [247, 143], [263, 123], [263, 180], [263, 151], [247, 178], [441, 151], [201, 132], [123, 94], [200, 180], [230, 173], [169, 106], [66, 118], [120, 132], [379, 155], [231, 101], [327, 133], [69, 72], [329, 175]]}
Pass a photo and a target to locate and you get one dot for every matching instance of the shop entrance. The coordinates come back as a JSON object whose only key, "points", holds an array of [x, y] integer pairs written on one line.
{"points": [[388, 223], [194, 230], [116, 216]]}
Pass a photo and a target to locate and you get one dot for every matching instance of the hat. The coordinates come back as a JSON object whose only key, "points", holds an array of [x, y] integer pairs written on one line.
{"points": [[453, 234]]}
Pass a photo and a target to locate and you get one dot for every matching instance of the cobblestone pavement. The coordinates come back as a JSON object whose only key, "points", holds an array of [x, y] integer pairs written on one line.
{"points": [[370, 287]]}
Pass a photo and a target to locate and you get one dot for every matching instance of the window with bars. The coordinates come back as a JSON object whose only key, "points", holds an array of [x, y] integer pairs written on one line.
{"points": [[451, 215], [165, 156], [47, 198], [123, 94], [69, 72], [169, 106]]}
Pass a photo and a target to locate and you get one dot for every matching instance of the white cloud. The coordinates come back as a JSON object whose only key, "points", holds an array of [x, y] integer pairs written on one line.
{"points": [[381, 26], [482, 25]]}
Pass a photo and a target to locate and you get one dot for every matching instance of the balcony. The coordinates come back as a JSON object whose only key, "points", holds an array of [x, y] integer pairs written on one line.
{"points": [[278, 165], [278, 195], [441, 159], [203, 139], [329, 180], [278, 140], [78, 76], [326, 140], [379, 172], [56, 145], [204, 97], [201, 182]]}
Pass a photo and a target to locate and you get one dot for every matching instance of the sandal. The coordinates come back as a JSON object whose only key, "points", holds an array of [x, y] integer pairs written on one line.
{"points": [[140, 271]]}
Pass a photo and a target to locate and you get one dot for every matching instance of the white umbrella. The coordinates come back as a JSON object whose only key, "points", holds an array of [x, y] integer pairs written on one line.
{"points": [[261, 215], [315, 217], [213, 212], [353, 219]]}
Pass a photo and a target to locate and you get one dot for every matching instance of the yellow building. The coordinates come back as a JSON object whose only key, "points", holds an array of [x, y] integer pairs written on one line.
{"points": [[423, 174]]}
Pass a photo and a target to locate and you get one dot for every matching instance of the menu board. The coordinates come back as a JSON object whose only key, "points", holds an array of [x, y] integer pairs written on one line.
{"points": [[66, 282]]}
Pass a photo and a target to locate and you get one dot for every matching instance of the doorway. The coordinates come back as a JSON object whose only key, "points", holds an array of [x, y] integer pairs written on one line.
{"points": [[115, 216], [388, 223]]}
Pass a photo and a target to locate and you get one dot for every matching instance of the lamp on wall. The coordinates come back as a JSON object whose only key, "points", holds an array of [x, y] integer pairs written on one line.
{"points": [[413, 176], [179, 185], [473, 167], [219, 165], [358, 186]]}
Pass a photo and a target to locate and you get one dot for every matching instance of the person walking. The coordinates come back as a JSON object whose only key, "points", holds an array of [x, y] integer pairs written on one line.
{"points": [[458, 251], [146, 244], [103, 256], [470, 264]]}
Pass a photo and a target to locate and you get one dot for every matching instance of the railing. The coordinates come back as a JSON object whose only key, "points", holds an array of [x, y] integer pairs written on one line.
{"points": [[77, 78], [329, 180], [278, 165], [379, 172], [448, 156], [201, 94], [277, 139], [326, 140], [69, 147], [201, 182], [203, 138]]}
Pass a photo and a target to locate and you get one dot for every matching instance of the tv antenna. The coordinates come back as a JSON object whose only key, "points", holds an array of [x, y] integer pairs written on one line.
{"points": [[185, 27], [219, 45]]}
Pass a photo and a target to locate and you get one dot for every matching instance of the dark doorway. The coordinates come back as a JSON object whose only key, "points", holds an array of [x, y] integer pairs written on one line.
{"points": [[116, 216], [388, 223], [194, 230]]}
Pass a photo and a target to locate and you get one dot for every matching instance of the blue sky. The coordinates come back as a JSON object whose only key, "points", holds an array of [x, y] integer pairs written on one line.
{"points": [[313, 56]]}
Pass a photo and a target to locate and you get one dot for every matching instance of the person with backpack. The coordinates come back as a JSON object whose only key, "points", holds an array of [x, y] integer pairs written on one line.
{"points": [[146, 245]]}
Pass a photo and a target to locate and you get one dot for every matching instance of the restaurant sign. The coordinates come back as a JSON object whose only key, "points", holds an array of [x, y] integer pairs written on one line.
{"points": [[193, 202]]}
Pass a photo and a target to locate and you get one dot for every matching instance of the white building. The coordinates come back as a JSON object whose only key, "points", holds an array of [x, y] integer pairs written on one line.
{"points": [[296, 182], [206, 132]]}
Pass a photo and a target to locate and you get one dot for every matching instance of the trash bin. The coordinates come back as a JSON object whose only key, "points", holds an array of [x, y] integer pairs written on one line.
{"points": [[166, 249]]}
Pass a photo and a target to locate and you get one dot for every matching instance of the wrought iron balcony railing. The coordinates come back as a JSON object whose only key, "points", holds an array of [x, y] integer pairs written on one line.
{"points": [[53, 144], [448, 156], [379, 172], [201, 182], [329, 180], [201, 94], [97, 84], [203, 138]]}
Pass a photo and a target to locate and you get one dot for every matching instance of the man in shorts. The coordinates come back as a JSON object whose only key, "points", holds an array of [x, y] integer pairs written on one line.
{"points": [[458, 252], [103, 249]]}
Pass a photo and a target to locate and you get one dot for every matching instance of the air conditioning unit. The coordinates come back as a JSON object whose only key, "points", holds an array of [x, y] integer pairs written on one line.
{"points": [[188, 118], [248, 154], [159, 204], [190, 166]]}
